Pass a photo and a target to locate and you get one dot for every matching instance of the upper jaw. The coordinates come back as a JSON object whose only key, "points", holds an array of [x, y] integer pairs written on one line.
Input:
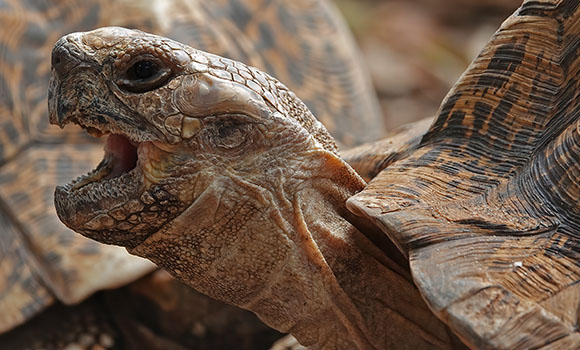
{"points": [[91, 106], [79, 93]]}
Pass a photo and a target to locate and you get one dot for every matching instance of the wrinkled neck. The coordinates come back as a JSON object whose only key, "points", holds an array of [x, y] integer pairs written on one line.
{"points": [[285, 247], [313, 306], [338, 290]]}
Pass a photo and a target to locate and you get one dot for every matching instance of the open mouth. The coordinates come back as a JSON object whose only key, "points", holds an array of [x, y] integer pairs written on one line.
{"points": [[121, 156]]}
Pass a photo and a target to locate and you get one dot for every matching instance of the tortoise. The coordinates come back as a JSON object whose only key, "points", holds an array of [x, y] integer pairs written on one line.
{"points": [[182, 125], [303, 42], [254, 206]]}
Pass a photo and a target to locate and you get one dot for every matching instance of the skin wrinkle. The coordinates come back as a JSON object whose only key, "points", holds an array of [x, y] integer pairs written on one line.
{"points": [[259, 216], [257, 190], [356, 328], [324, 231], [312, 253]]}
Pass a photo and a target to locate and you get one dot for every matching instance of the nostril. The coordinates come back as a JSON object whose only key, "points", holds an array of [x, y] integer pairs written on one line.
{"points": [[55, 60], [62, 60]]}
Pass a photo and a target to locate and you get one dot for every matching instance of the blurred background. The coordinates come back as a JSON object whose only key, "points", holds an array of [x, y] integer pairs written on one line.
{"points": [[415, 50]]}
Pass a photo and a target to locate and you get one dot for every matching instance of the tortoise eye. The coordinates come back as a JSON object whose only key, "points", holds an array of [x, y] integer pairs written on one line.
{"points": [[144, 75], [144, 69]]}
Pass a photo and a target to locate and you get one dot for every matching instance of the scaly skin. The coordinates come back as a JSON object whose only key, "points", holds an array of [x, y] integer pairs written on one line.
{"points": [[305, 43], [238, 191]]}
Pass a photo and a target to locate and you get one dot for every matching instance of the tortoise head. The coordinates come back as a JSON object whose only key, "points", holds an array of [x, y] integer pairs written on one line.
{"points": [[181, 124]]}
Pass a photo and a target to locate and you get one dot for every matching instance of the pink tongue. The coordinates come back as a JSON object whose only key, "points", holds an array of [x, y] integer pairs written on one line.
{"points": [[123, 152]]}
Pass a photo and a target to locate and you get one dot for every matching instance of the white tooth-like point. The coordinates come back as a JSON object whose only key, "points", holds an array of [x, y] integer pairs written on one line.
{"points": [[173, 124], [190, 127]]}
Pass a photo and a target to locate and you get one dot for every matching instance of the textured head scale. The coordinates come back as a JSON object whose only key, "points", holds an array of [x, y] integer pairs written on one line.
{"points": [[188, 84], [177, 115]]}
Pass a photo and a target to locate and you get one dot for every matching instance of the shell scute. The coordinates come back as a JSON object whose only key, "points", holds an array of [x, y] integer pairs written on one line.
{"points": [[493, 189]]}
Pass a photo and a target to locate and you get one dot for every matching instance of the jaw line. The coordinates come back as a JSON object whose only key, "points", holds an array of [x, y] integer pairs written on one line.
{"points": [[199, 204]]}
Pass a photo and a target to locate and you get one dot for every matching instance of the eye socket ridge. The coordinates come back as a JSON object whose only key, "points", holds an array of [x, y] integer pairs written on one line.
{"points": [[144, 74]]}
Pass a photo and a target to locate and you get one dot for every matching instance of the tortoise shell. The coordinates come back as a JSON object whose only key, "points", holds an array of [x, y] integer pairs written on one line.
{"points": [[304, 43], [486, 206]]}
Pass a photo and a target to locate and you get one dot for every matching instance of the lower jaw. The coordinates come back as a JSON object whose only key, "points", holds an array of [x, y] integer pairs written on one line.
{"points": [[76, 206]]}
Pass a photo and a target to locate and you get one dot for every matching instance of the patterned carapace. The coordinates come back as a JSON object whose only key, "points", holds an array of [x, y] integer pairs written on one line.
{"points": [[487, 207]]}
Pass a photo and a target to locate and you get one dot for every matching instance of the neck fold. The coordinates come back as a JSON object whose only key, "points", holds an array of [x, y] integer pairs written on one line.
{"points": [[341, 290]]}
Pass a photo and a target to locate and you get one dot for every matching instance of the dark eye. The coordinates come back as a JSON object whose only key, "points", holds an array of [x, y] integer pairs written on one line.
{"points": [[144, 69], [144, 75]]}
